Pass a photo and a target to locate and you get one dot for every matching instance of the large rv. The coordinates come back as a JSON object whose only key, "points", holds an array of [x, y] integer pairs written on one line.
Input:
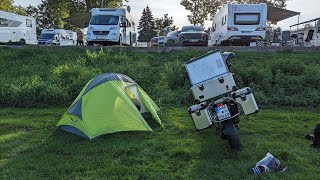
{"points": [[309, 35], [111, 27], [57, 37], [16, 28], [239, 24]]}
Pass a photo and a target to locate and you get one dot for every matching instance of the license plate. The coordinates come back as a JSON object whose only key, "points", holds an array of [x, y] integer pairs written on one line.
{"points": [[222, 112], [193, 40], [247, 32], [101, 37]]}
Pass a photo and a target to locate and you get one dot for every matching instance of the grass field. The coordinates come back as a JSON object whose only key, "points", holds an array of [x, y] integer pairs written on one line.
{"points": [[176, 151], [35, 80]]}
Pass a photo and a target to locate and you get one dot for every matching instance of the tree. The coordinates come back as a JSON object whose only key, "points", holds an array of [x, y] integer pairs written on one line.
{"points": [[87, 5], [20, 10], [6, 5], [164, 24], [202, 10], [146, 26], [49, 13], [42, 16]]}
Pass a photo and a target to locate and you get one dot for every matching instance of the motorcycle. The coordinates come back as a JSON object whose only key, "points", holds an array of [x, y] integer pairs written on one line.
{"points": [[219, 100]]}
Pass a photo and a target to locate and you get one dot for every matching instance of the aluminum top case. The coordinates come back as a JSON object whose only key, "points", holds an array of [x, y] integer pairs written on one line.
{"points": [[206, 67], [209, 76]]}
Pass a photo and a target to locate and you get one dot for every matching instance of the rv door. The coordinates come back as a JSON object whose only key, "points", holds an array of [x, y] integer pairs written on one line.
{"points": [[123, 22]]}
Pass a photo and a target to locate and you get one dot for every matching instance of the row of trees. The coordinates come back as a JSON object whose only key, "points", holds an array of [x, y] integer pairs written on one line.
{"points": [[202, 10]]}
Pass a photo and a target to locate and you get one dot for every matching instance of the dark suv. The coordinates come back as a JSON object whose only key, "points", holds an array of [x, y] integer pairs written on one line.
{"points": [[194, 36]]}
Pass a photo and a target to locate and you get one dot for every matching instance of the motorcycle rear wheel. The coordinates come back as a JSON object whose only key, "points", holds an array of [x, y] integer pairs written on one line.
{"points": [[230, 133]]}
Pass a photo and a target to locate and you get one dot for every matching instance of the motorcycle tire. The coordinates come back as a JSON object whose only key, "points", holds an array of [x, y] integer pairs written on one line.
{"points": [[230, 132]]}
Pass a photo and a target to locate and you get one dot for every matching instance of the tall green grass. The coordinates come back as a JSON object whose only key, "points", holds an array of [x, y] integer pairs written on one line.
{"points": [[41, 77]]}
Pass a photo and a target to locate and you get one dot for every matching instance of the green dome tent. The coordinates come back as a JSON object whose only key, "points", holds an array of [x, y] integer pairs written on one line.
{"points": [[109, 103]]}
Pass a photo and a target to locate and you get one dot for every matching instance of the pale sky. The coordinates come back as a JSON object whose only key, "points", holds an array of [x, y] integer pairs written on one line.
{"points": [[309, 9]]}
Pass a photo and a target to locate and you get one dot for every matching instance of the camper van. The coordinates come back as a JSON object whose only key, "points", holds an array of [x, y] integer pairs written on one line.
{"points": [[307, 36], [57, 37], [239, 24], [111, 27], [16, 28]]}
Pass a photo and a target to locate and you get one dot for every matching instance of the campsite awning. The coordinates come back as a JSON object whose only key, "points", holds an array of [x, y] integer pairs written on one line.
{"points": [[78, 20], [278, 14]]}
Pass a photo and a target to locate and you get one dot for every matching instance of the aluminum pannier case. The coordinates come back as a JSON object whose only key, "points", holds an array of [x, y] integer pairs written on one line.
{"points": [[213, 87], [201, 116], [247, 101]]}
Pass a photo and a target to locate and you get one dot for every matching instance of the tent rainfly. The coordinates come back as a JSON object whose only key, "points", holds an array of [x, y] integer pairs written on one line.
{"points": [[109, 103]]}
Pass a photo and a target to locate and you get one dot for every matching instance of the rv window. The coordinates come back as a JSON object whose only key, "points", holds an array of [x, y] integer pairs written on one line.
{"points": [[214, 27], [191, 28], [247, 18], [104, 20], [224, 20], [29, 23], [3, 22]]}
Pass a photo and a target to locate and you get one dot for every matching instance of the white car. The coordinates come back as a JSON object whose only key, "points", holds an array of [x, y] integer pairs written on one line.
{"points": [[158, 41]]}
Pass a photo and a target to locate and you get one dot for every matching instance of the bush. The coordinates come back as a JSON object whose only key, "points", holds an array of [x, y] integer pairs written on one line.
{"points": [[38, 77]]}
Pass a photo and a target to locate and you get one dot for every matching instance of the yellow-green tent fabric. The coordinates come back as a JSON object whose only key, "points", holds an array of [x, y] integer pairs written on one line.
{"points": [[105, 106]]}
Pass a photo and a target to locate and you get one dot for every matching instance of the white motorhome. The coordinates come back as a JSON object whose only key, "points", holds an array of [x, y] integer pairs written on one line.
{"points": [[111, 26], [309, 35], [16, 28], [239, 24], [57, 37]]}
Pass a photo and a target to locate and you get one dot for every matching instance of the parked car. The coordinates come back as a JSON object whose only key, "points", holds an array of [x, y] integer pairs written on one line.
{"points": [[58, 37], [158, 41], [193, 35], [172, 38], [162, 40]]}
